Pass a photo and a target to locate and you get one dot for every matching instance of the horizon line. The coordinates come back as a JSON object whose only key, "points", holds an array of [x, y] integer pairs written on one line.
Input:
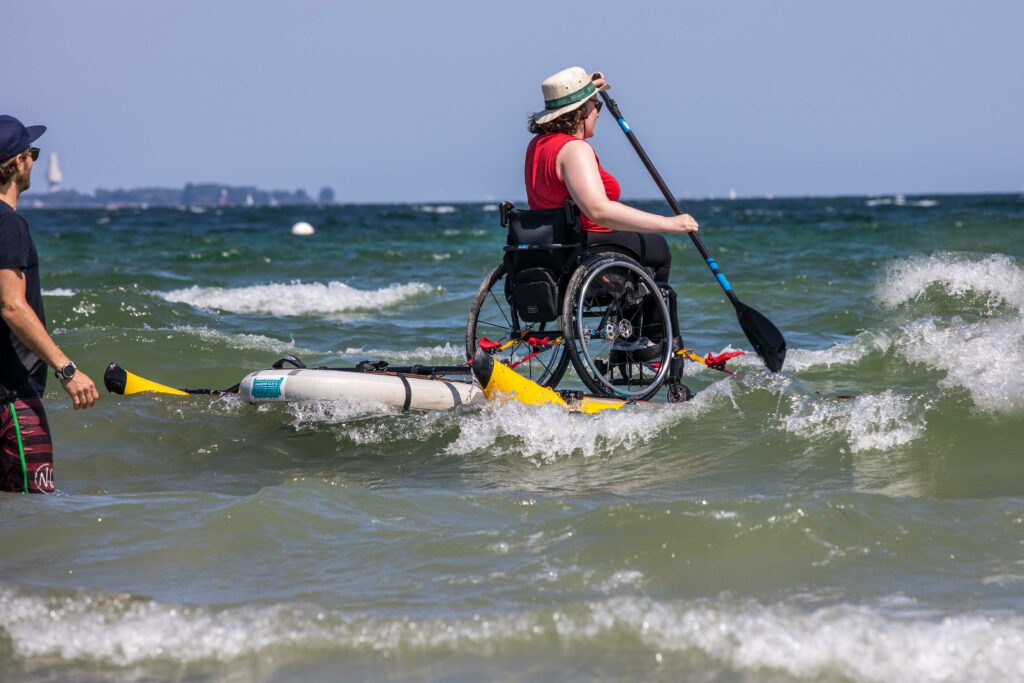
{"points": [[30, 196]]}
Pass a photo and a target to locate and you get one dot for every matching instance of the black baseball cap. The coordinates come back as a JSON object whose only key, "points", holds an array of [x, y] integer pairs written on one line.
{"points": [[16, 137]]}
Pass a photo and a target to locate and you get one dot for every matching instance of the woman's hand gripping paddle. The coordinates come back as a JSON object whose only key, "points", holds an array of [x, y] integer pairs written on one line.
{"points": [[763, 335]]}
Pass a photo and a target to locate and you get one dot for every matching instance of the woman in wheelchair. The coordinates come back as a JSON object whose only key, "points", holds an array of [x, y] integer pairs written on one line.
{"points": [[617, 319], [560, 165]]}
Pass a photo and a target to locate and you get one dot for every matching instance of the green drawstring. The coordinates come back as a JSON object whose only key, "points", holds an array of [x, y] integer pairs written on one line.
{"points": [[21, 447]]}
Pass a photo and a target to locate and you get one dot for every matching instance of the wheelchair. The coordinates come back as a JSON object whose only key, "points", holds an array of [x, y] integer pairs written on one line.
{"points": [[551, 302]]}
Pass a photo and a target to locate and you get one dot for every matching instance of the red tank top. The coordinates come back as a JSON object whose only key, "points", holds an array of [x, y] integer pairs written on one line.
{"points": [[543, 188]]}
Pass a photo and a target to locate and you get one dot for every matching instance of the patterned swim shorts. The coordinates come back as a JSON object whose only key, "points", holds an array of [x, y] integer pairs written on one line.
{"points": [[26, 451]]}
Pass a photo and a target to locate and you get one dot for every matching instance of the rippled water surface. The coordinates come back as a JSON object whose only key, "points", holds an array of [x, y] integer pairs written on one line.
{"points": [[858, 517]]}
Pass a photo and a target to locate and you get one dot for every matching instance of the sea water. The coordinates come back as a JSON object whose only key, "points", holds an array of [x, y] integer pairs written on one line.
{"points": [[857, 517]]}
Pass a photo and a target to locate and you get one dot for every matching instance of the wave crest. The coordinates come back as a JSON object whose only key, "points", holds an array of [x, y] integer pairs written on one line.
{"points": [[996, 279], [296, 298], [868, 642]]}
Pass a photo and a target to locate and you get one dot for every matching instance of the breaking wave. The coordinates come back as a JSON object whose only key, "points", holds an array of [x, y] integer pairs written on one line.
{"points": [[888, 641], [996, 279], [869, 422], [498, 427], [442, 353], [980, 348], [972, 328], [256, 342], [297, 298]]}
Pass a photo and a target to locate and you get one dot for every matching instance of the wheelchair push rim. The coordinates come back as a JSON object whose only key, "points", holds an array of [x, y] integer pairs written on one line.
{"points": [[596, 329]]}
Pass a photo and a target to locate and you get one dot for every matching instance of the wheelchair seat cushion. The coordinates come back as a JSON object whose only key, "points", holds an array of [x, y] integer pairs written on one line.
{"points": [[649, 250]]}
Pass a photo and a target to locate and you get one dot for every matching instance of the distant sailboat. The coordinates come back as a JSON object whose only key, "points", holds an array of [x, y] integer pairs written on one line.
{"points": [[54, 176]]}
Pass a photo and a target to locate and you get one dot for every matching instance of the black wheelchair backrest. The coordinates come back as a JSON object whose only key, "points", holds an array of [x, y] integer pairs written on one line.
{"points": [[541, 228], [541, 252], [549, 238]]}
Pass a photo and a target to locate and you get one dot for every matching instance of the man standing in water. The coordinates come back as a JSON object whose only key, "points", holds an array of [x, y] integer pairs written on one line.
{"points": [[26, 349]]}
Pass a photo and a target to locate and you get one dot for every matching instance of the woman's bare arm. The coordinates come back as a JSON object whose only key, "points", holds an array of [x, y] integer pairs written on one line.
{"points": [[578, 167]]}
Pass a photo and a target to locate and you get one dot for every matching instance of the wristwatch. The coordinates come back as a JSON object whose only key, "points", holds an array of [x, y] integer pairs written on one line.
{"points": [[66, 373]]}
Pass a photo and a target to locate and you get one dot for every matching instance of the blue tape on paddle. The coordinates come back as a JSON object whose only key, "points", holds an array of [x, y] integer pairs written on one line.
{"points": [[625, 126], [721, 278]]}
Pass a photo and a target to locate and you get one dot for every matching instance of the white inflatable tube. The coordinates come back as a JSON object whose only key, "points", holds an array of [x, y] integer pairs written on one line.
{"points": [[407, 392]]}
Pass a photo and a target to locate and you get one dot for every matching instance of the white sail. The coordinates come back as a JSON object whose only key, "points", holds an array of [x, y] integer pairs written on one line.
{"points": [[53, 175]]}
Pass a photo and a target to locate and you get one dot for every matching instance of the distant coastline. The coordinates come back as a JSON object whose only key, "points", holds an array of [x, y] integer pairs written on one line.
{"points": [[193, 194], [212, 195]]}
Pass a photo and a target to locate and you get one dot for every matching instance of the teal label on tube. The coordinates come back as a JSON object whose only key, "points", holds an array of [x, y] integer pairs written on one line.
{"points": [[267, 388]]}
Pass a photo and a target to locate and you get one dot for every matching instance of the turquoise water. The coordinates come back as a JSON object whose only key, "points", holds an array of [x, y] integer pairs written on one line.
{"points": [[766, 531]]}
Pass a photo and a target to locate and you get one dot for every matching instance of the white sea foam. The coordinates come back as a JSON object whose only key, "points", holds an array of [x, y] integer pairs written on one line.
{"points": [[848, 642], [554, 434], [983, 356], [900, 200], [60, 291], [437, 209], [845, 353], [442, 353], [997, 279], [256, 342], [877, 643], [296, 298], [980, 351], [311, 413], [869, 422]]}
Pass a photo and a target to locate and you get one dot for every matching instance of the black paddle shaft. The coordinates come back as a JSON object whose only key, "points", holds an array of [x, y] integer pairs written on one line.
{"points": [[669, 197], [763, 335]]}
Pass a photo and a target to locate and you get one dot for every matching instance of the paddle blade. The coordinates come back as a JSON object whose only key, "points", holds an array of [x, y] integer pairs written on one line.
{"points": [[117, 380], [763, 335]]}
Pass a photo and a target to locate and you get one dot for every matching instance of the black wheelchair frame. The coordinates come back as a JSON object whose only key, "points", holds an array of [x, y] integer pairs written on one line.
{"points": [[546, 270]]}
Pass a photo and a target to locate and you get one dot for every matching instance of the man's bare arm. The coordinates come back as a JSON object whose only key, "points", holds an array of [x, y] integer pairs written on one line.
{"points": [[24, 322], [27, 327]]}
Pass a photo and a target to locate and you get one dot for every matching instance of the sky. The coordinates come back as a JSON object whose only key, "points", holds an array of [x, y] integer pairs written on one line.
{"points": [[394, 101]]}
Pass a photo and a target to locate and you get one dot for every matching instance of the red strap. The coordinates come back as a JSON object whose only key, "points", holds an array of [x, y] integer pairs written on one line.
{"points": [[488, 345], [718, 362]]}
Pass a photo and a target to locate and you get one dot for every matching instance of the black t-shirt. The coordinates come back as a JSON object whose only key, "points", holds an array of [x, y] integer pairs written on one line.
{"points": [[17, 364]]}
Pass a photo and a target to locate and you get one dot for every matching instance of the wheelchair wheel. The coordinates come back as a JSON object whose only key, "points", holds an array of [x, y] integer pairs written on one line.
{"points": [[534, 350], [618, 330]]}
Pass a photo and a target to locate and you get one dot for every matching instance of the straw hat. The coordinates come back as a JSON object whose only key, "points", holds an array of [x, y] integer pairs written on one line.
{"points": [[566, 90]]}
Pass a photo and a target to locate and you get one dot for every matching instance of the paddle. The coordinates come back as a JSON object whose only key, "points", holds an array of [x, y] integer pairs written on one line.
{"points": [[763, 335]]}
